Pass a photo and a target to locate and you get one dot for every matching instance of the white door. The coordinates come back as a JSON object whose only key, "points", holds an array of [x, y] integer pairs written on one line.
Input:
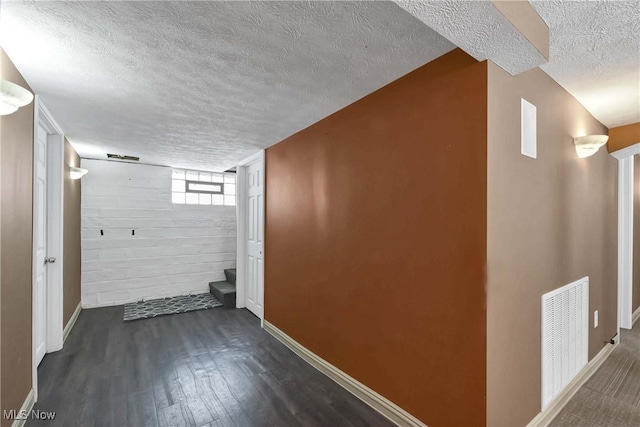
{"points": [[255, 219], [40, 288]]}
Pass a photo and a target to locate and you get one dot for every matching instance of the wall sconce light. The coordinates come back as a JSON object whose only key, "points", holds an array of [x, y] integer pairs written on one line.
{"points": [[588, 145], [12, 97], [77, 173]]}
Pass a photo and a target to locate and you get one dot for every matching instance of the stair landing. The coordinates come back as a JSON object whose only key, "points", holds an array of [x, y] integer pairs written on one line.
{"points": [[225, 291]]}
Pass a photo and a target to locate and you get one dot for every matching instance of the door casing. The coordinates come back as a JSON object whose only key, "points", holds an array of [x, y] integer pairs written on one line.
{"points": [[55, 231], [625, 234], [242, 214]]}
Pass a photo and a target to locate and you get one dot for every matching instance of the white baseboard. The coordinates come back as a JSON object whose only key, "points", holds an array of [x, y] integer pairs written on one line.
{"points": [[103, 304], [86, 304], [26, 408], [636, 316], [381, 404], [545, 417], [70, 323]]}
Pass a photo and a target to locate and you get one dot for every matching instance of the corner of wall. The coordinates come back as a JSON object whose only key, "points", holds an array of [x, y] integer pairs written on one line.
{"points": [[72, 244], [536, 234]]}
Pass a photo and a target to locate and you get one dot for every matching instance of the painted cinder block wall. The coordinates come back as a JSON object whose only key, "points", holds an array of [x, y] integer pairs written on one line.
{"points": [[376, 240], [176, 249]]}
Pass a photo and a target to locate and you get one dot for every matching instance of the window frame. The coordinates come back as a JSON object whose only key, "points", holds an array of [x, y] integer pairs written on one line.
{"points": [[187, 190], [226, 182]]}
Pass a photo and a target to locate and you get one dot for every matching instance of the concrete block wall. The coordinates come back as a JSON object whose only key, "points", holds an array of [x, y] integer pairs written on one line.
{"points": [[176, 249]]}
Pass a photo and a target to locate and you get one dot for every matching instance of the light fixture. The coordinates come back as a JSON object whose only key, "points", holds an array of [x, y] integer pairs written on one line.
{"points": [[77, 173], [588, 145], [12, 97]]}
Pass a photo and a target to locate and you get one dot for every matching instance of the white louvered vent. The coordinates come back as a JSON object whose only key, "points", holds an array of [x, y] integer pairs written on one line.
{"points": [[565, 336]]}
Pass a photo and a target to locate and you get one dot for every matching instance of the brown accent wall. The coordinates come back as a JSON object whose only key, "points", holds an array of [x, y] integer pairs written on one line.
{"points": [[72, 253], [376, 240], [636, 235], [16, 146], [623, 137], [551, 221]]}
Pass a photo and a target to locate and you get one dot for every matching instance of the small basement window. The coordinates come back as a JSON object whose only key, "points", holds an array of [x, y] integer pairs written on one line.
{"points": [[203, 188]]}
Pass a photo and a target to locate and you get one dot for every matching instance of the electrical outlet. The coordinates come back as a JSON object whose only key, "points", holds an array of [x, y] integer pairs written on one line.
{"points": [[595, 319]]}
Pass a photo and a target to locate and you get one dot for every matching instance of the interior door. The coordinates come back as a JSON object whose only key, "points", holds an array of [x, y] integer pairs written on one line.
{"points": [[40, 288], [255, 219]]}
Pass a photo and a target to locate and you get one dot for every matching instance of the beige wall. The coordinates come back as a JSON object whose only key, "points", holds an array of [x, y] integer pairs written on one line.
{"points": [[16, 147], [71, 234], [551, 221], [636, 235]]}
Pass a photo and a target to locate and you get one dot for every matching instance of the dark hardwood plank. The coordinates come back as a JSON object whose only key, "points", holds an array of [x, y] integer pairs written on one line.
{"points": [[205, 368], [141, 409], [174, 416]]}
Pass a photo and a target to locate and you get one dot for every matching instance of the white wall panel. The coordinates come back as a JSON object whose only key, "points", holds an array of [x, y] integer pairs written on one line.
{"points": [[176, 249]]}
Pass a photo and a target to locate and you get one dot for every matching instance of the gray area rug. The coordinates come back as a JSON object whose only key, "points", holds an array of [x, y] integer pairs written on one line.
{"points": [[164, 306]]}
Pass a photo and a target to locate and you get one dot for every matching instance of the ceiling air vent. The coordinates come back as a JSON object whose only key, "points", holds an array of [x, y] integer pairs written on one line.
{"points": [[121, 157]]}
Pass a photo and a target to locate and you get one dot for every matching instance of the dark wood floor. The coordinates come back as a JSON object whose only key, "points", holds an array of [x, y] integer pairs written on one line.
{"points": [[207, 368]]}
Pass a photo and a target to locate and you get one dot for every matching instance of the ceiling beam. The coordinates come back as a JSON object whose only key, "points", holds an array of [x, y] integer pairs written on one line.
{"points": [[623, 137], [509, 33]]}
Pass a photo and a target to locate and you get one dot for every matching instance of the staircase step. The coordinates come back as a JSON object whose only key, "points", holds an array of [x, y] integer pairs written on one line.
{"points": [[231, 275], [225, 292]]}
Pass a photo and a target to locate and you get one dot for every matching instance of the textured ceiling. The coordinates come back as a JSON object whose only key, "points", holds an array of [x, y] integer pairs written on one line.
{"points": [[595, 55], [204, 84], [479, 29]]}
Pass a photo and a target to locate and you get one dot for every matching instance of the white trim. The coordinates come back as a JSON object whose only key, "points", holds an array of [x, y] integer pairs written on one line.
{"points": [[241, 210], [381, 404], [26, 408], [554, 407], [241, 249], [86, 305], [629, 151], [71, 322], [55, 227], [625, 234], [625, 241], [636, 316]]}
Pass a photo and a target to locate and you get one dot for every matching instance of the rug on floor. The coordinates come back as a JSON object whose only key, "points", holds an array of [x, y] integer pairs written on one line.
{"points": [[164, 306]]}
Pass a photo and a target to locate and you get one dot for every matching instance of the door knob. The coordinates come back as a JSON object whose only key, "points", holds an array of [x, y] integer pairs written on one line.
{"points": [[49, 260]]}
